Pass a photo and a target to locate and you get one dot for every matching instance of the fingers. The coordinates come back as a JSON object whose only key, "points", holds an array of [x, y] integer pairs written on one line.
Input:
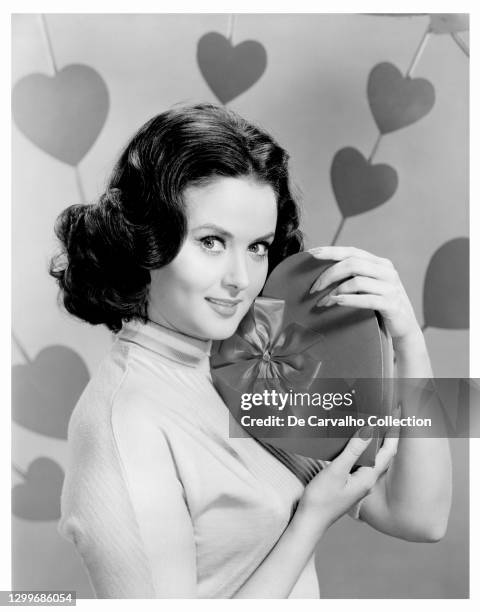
{"points": [[389, 445], [371, 302], [362, 481], [337, 253], [354, 266], [352, 451], [385, 454], [365, 478], [360, 284]]}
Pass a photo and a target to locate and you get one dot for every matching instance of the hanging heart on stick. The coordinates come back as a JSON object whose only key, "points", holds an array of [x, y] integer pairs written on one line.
{"points": [[38, 497], [45, 391], [446, 286], [230, 70], [63, 114], [358, 185], [397, 101], [448, 23]]}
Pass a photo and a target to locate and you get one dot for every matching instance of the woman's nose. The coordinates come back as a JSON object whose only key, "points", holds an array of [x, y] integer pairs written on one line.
{"points": [[236, 274]]}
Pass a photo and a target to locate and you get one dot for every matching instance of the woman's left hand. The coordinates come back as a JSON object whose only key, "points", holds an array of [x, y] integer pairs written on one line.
{"points": [[368, 282]]}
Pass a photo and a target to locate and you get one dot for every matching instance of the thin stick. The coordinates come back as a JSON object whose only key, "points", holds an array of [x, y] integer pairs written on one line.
{"points": [[78, 179], [19, 471], [48, 42], [20, 348], [339, 229], [375, 147], [418, 52], [461, 43], [231, 26]]}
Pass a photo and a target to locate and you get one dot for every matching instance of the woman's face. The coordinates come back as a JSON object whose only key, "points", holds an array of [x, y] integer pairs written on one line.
{"points": [[222, 264]]}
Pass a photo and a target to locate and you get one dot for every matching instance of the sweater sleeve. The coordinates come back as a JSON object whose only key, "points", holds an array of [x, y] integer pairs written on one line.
{"points": [[125, 510]]}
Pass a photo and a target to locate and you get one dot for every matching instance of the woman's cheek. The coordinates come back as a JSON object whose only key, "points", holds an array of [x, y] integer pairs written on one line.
{"points": [[197, 268], [198, 280], [261, 273]]}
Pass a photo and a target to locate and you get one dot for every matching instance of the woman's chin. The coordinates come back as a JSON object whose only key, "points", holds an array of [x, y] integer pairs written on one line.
{"points": [[223, 334], [218, 327], [222, 330]]}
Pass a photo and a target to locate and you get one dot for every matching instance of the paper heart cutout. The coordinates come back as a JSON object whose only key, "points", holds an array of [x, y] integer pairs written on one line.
{"points": [[354, 350], [448, 23], [63, 114], [446, 286], [45, 391], [230, 70], [358, 185], [397, 101], [38, 498]]}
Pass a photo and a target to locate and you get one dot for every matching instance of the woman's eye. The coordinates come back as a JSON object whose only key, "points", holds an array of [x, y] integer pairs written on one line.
{"points": [[260, 248], [212, 243]]}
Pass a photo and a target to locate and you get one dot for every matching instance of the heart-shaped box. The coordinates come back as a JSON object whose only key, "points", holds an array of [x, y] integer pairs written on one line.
{"points": [[286, 343]]}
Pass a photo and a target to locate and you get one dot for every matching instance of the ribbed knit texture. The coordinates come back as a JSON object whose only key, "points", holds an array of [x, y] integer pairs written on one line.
{"points": [[304, 468], [158, 499]]}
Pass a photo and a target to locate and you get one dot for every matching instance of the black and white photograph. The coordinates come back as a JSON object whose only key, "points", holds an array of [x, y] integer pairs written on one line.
{"points": [[240, 308]]}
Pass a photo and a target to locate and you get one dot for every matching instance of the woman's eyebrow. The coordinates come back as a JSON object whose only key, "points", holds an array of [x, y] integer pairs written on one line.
{"points": [[224, 232]]}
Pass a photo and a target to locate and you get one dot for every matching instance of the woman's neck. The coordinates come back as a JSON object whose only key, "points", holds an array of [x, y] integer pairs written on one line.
{"points": [[158, 318], [155, 316]]}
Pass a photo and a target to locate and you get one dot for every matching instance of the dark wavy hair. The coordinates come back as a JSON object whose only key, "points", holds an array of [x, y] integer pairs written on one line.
{"points": [[139, 223]]}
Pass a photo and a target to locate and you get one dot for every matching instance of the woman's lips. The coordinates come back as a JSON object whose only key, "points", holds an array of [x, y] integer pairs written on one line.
{"points": [[224, 307]]}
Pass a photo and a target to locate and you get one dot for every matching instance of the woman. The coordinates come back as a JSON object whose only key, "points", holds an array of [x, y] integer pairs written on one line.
{"points": [[157, 498]]}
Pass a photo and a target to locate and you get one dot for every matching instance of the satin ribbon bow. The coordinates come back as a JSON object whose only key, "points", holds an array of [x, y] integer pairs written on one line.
{"points": [[265, 354]]}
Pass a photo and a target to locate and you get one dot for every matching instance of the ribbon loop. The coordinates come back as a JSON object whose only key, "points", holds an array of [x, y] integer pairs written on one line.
{"points": [[264, 353]]}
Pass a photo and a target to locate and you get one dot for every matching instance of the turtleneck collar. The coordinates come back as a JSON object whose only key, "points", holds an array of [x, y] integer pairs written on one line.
{"points": [[167, 342]]}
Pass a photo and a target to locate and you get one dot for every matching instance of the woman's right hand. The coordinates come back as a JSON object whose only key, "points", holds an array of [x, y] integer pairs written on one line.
{"points": [[333, 491]]}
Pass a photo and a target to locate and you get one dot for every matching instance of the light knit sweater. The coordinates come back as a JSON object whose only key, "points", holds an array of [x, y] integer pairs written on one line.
{"points": [[158, 499]]}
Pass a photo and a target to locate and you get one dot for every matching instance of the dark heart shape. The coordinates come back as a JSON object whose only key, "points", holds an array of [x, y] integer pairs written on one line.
{"points": [[230, 70], [446, 286], [38, 498], [397, 101], [45, 391], [63, 114], [448, 23], [358, 185], [354, 351]]}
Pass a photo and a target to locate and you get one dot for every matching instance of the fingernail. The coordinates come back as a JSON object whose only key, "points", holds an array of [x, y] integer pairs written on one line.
{"points": [[325, 301], [366, 432], [397, 412], [316, 286]]}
